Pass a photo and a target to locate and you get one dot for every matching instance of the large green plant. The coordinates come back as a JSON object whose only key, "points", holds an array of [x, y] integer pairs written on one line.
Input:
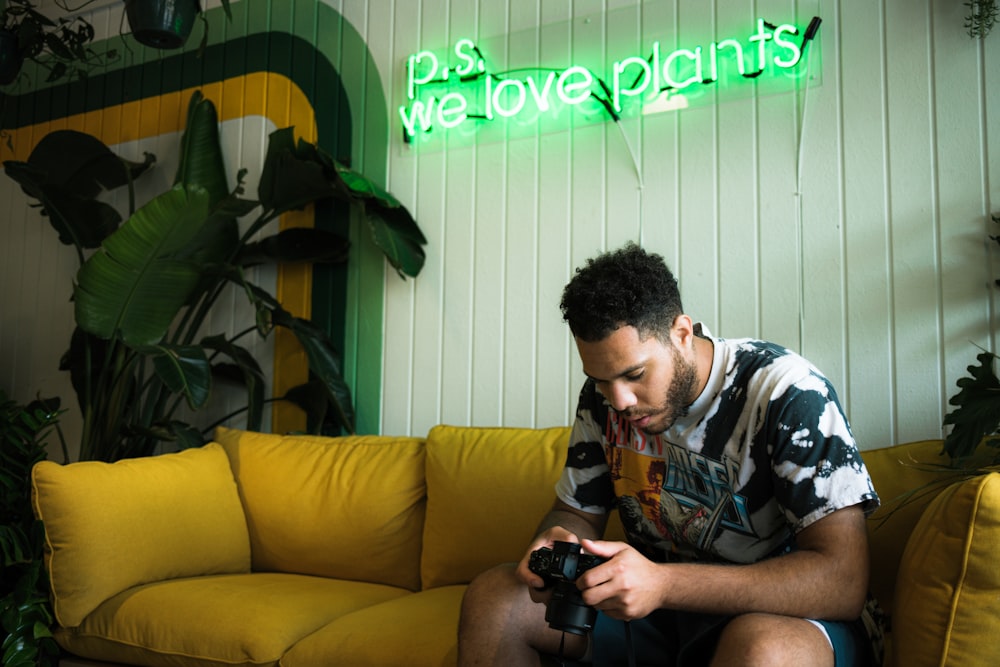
{"points": [[25, 610], [143, 298]]}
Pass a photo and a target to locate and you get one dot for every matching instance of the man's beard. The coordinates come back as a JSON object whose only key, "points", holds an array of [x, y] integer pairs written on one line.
{"points": [[680, 394]]}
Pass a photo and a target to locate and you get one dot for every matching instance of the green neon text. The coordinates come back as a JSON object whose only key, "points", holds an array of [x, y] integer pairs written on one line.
{"points": [[446, 96]]}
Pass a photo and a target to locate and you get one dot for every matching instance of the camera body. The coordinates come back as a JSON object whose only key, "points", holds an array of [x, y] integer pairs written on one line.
{"points": [[559, 567]]}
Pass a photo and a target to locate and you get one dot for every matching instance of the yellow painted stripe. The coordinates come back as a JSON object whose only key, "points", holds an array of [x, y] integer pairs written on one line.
{"points": [[272, 96]]}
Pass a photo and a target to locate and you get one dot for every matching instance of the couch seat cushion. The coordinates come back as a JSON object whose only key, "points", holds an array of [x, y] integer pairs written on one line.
{"points": [[419, 630], [487, 489], [349, 508], [947, 608], [249, 619], [154, 518]]}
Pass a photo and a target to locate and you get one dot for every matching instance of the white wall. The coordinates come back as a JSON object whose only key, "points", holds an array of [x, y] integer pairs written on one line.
{"points": [[846, 219]]}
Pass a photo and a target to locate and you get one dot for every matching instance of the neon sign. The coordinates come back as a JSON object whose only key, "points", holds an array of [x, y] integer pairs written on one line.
{"points": [[459, 90]]}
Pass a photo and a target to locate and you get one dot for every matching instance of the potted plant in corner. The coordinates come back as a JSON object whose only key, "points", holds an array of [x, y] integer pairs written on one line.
{"points": [[25, 610], [59, 46], [165, 24], [975, 421], [144, 297]]}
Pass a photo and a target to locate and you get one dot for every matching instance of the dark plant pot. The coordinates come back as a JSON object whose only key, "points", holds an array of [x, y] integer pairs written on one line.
{"points": [[11, 57], [161, 24]]}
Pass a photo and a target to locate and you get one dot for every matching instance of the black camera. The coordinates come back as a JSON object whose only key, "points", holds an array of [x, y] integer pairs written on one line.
{"points": [[559, 567]]}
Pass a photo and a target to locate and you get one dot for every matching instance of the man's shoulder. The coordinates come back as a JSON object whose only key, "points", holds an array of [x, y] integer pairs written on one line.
{"points": [[752, 355]]}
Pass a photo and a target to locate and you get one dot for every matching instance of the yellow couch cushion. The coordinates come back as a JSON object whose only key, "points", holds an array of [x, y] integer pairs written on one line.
{"points": [[243, 619], [111, 526], [349, 507], [487, 489], [947, 607], [895, 472], [419, 630]]}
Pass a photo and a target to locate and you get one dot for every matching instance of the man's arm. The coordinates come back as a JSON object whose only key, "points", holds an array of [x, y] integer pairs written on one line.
{"points": [[825, 578]]}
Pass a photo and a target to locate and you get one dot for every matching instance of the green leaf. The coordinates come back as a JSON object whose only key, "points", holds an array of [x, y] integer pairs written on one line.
{"points": [[65, 172], [399, 238], [313, 398], [247, 371], [298, 244], [978, 408], [82, 165], [366, 188], [186, 436], [201, 152], [184, 369], [324, 363], [134, 285], [288, 180]]}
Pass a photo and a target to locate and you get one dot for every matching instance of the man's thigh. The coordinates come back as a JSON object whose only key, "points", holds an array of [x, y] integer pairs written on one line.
{"points": [[683, 639]]}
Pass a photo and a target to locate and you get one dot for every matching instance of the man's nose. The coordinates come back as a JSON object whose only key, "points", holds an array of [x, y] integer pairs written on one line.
{"points": [[621, 397]]}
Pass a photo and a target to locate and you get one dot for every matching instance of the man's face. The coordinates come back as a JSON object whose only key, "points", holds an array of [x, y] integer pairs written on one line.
{"points": [[649, 382]]}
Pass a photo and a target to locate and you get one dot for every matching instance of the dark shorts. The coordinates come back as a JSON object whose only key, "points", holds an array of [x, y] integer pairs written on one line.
{"points": [[688, 640]]}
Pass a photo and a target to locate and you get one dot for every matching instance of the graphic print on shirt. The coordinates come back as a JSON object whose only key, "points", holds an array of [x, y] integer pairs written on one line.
{"points": [[675, 494]]}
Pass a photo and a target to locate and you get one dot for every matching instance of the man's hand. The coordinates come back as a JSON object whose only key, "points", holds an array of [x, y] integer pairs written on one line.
{"points": [[627, 586], [534, 582], [562, 524]]}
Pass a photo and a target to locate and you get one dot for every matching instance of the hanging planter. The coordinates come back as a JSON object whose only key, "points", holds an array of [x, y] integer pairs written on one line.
{"points": [[11, 57], [162, 24]]}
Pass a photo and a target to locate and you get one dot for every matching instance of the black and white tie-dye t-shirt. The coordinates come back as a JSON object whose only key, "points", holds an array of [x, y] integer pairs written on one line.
{"points": [[763, 452]]}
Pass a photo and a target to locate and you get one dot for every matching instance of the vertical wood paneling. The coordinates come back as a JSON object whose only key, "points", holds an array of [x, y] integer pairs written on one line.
{"points": [[398, 381], [917, 306], [870, 368]]}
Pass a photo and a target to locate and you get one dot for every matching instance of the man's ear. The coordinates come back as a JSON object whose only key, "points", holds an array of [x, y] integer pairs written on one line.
{"points": [[682, 332]]}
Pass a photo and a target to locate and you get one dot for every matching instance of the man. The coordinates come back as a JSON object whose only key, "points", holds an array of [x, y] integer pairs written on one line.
{"points": [[736, 478]]}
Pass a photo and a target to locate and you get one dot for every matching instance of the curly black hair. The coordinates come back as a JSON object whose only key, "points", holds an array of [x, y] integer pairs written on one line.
{"points": [[624, 287]]}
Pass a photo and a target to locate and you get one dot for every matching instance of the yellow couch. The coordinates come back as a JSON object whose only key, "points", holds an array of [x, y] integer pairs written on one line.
{"points": [[303, 551]]}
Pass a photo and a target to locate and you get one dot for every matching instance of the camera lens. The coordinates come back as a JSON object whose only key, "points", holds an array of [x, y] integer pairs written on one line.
{"points": [[568, 612]]}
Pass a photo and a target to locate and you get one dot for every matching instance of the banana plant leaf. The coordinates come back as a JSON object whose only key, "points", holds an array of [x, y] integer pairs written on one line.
{"points": [[397, 234], [134, 286], [313, 398], [201, 152], [184, 369], [296, 174], [324, 364], [298, 244], [65, 172], [244, 370], [290, 179]]}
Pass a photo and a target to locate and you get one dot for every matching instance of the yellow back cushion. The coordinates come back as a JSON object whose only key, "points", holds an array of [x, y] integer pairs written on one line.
{"points": [[350, 507], [947, 608], [895, 472], [487, 489], [112, 526]]}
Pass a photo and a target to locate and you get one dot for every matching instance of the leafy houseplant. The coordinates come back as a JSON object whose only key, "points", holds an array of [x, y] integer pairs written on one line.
{"points": [[981, 17], [975, 420], [60, 47], [25, 610], [143, 298]]}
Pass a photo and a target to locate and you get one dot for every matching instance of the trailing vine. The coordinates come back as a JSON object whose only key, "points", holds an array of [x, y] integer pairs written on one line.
{"points": [[981, 18]]}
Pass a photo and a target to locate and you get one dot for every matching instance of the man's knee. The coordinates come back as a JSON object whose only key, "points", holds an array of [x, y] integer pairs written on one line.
{"points": [[766, 639], [501, 625], [496, 588]]}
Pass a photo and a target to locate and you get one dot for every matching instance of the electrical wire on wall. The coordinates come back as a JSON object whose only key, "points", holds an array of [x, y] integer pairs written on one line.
{"points": [[809, 34]]}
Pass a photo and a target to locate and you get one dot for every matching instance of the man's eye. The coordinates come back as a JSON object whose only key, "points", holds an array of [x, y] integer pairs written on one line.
{"points": [[634, 377]]}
